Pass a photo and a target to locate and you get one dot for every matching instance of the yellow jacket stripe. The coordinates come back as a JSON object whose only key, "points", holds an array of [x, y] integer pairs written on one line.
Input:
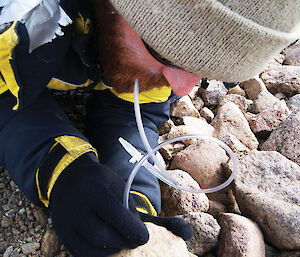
{"points": [[75, 147], [8, 41]]}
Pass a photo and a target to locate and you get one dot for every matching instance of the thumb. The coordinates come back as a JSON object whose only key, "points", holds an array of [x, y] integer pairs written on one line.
{"points": [[176, 225]]}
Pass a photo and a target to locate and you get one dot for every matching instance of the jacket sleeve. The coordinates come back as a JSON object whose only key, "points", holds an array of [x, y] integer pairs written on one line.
{"points": [[110, 117], [27, 136]]}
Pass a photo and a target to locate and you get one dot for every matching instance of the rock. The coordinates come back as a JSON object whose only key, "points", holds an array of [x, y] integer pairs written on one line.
{"points": [[282, 79], [203, 161], [170, 150], [292, 54], [166, 127], [235, 145], [249, 116], [6, 222], [40, 215], [177, 202], [194, 92], [30, 248], [214, 92], [289, 254], [294, 102], [200, 127], [253, 87], [239, 236], [277, 61], [205, 230], [215, 208], [257, 91], [161, 243], [237, 90], [207, 114], [200, 124], [50, 244], [183, 107], [240, 101], [269, 119], [271, 251], [267, 189], [8, 251], [198, 103], [286, 138], [280, 96], [231, 120], [263, 101]]}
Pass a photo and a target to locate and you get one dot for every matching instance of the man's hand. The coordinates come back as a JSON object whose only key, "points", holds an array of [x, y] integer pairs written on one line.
{"points": [[88, 213]]}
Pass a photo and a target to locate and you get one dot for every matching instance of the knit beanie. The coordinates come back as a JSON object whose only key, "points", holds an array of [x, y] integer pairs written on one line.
{"points": [[227, 40]]}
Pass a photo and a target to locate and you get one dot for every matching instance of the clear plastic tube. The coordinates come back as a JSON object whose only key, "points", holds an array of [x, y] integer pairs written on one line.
{"points": [[163, 175], [143, 136]]}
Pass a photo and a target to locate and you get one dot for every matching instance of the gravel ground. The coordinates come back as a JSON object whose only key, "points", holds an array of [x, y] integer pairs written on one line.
{"points": [[25, 229]]}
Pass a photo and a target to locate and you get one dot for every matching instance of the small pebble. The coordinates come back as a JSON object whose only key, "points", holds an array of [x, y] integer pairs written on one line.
{"points": [[30, 248], [6, 222], [8, 251], [21, 211]]}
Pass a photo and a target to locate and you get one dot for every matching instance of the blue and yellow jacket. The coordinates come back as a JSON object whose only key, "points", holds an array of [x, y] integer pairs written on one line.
{"points": [[32, 124]]}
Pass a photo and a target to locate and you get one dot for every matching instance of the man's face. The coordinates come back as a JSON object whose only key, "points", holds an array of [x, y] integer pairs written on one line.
{"points": [[124, 57]]}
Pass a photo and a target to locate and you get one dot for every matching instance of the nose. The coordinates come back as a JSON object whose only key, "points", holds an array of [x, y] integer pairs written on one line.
{"points": [[181, 81]]}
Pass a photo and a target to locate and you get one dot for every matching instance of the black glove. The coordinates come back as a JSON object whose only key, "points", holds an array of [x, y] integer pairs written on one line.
{"points": [[87, 210], [88, 213], [176, 225]]}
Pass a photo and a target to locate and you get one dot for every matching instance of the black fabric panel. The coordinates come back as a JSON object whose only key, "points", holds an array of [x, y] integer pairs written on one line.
{"points": [[139, 202], [47, 167], [109, 118], [26, 137]]}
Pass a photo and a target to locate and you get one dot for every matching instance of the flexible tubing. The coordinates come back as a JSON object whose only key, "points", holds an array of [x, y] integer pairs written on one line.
{"points": [[162, 175], [138, 117]]}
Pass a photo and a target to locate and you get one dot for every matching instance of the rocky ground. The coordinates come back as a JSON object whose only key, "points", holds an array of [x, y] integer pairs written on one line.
{"points": [[257, 215]]}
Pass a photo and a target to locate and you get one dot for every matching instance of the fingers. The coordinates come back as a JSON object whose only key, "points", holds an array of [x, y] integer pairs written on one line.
{"points": [[99, 234], [176, 225], [126, 223], [81, 247]]}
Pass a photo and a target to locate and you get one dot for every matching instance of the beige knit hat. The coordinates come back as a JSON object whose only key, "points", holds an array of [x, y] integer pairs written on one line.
{"points": [[227, 40]]}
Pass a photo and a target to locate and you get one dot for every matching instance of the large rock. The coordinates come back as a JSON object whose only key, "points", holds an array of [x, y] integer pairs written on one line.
{"points": [[170, 150], [257, 91], [50, 244], [292, 55], [235, 145], [294, 102], [205, 230], [196, 126], [177, 202], [267, 189], [240, 101], [207, 114], [289, 254], [231, 120], [183, 107], [203, 161], [282, 79], [237, 90], [240, 237], [161, 243], [214, 92], [286, 138], [263, 101], [166, 127], [269, 119], [253, 87]]}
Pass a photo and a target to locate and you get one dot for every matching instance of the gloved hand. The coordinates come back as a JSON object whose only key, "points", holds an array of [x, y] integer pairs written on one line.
{"points": [[87, 210], [88, 213]]}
